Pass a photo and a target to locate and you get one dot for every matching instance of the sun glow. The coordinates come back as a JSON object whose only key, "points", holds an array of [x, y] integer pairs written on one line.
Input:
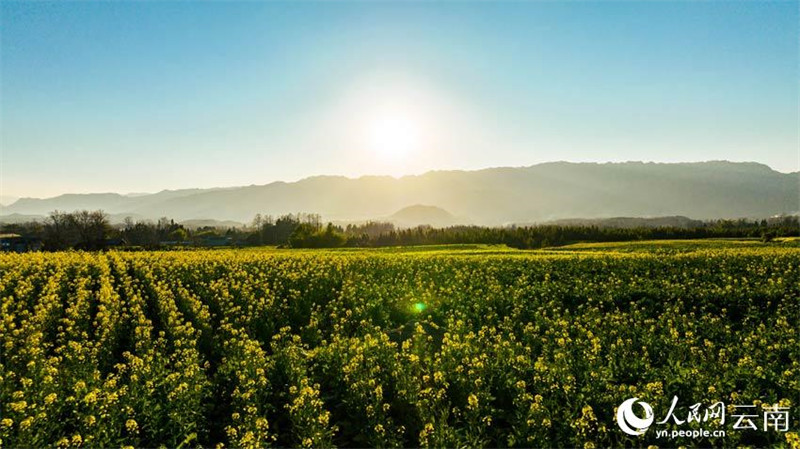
{"points": [[394, 124], [393, 136]]}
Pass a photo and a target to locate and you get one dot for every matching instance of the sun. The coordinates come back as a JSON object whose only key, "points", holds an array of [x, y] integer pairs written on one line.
{"points": [[393, 136]]}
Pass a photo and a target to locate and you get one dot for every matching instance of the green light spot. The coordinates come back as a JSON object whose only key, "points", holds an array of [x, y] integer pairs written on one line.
{"points": [[419, 307]]}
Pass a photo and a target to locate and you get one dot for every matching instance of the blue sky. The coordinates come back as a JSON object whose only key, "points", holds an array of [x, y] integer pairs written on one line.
{"points": [[144, 96]]}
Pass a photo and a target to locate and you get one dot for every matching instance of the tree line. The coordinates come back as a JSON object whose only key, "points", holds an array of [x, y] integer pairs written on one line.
{"points": [[92, 231]]}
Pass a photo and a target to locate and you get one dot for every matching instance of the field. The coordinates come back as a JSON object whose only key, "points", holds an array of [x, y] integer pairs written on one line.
{"points": [[461, 346]]}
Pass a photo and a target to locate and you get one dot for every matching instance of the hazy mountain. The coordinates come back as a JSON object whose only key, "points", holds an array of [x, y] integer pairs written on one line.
{"points": [[630, 222], [20, 218], [418, 214], [112, 203], [114, 219], [538, 193], [6, 199], [202, 223]]}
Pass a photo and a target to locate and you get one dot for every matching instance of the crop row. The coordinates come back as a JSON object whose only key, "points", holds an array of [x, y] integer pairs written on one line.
{"points": [[253, 349]]}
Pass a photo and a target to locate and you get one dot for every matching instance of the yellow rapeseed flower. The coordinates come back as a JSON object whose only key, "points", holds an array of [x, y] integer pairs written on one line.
{"points": [[132, 426]]}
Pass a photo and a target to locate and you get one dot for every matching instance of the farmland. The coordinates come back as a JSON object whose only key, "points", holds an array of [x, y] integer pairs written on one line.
{"points": [[448, 346]]}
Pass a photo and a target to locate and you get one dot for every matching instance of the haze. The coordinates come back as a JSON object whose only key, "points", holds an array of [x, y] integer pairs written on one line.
{"points": [[145, 96]]}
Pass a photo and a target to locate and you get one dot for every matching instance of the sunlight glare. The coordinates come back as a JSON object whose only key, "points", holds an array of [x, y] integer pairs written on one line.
{"points": [[393, 136]]}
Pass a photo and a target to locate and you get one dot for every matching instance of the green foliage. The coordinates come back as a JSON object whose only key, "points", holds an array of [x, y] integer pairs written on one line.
{"points": [[307, 236]]}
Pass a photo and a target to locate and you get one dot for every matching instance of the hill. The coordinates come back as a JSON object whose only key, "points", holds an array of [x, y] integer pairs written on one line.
{"points": [[210, 223], [422, 215], [630, 222], [539, 193], [20, 218]]}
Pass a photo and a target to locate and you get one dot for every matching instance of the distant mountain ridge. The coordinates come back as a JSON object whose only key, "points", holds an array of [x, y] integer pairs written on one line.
{"points": [[538, 193], [629, 222]]}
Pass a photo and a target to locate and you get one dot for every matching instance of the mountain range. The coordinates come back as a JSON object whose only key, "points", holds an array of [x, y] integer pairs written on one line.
{"points": [[492, 196]]}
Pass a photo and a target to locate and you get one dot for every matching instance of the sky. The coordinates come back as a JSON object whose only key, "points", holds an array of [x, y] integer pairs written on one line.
{"points": [[144, 96]]}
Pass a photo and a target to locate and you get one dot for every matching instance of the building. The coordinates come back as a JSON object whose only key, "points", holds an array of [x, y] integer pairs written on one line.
{"points": [[19, 244]]}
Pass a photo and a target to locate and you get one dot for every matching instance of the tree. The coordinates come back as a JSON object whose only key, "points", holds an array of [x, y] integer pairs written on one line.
{"points": [[179, 234], [57, 232], [306, 235], [301, 236], [92, 228]]}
